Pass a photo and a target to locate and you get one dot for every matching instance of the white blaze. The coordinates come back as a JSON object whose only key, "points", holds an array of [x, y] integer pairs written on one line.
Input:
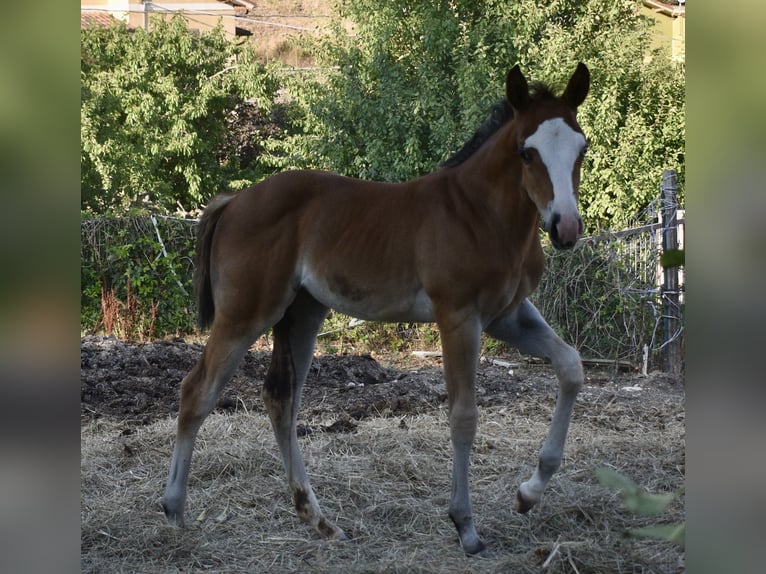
{"points": [[559, 147]]}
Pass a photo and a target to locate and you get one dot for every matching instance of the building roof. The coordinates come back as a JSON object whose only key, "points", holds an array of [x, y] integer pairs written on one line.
{"points": [[95, 18], [671, 8]]}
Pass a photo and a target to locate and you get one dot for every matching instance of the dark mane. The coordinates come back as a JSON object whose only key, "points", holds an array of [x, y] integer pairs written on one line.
{"points": [[500, 113]]}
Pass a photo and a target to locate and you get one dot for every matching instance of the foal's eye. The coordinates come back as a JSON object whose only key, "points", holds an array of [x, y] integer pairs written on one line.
{"points": [[524, 154]]}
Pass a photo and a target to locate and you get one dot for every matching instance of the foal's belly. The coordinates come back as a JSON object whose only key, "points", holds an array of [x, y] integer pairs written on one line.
{"points": [[387, 301]]}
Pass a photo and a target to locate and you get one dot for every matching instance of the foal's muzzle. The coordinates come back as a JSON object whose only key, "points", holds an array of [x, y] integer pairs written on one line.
{"points": [[565, 231]]}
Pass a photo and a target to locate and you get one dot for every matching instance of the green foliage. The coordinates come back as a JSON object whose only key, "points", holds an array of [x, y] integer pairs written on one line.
{"points": [[636, 128], [414, 80], [130, 286], [636, 499], [153, 113], [404, 94], [644, 503], [341, 333], [673, 258], [600, 297]]}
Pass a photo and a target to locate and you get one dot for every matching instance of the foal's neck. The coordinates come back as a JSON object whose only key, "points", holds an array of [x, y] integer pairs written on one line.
{"points": [[492, 175]]}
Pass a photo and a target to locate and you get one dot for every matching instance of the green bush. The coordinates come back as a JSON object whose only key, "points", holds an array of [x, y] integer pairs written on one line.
{"points": [[134, 284], [154, 113], [601, 298], [342, 334]]}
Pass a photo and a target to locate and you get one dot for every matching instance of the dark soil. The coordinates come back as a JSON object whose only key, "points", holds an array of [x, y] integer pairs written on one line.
{"points": [[139, 382]]}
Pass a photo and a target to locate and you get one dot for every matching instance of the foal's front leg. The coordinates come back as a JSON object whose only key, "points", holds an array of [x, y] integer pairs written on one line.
{"points": [[526, 330], [460, 349]]}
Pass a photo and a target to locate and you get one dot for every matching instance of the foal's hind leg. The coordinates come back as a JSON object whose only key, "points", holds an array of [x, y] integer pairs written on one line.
{"points": [[527, 330], [294, 338], [199, 393]]}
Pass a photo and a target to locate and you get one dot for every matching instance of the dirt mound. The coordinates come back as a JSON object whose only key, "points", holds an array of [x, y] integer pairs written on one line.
{"points": [[140, 382]]}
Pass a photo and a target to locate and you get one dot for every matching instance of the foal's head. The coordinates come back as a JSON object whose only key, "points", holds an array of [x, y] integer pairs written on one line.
{"points": [[550, 147]]}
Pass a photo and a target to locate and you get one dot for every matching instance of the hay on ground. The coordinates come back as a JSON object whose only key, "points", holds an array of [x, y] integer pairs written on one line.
{"points": [[387, 484]]}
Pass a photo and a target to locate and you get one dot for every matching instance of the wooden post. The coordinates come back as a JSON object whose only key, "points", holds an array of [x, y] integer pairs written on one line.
{"points": [[672, 355]]}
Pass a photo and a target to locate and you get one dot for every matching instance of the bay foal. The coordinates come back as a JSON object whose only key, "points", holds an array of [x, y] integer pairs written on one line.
{"points": [[459, 247]]}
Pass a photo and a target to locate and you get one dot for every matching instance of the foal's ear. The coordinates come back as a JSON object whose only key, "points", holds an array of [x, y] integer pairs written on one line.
{"points": [[578, 86], [516, 89]]}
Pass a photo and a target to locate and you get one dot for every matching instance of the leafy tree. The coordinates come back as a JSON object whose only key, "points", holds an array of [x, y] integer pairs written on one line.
{"points": [[153, 114], [414, 79]]}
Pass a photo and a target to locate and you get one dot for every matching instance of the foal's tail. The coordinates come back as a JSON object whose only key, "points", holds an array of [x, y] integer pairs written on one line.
{"points": [[202, 285]]}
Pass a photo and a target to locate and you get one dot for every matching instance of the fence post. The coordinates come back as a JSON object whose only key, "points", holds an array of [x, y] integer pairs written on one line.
{"points": [[672, 354]]}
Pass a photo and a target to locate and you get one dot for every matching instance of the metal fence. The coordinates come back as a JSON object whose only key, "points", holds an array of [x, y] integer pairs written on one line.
{"points": [[612, 298]]}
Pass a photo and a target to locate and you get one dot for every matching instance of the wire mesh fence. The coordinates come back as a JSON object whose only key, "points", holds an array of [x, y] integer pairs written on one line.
{"points": [[606, 296], [136, 275]]}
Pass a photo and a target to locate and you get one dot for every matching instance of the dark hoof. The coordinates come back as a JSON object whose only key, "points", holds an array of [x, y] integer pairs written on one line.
{"points": [[173, 518], [470, 542], [522, 506], [479, 550]]}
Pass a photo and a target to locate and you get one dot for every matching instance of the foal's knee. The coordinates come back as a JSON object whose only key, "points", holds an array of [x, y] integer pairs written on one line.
{"points": [[463, 419], [568, 367]]}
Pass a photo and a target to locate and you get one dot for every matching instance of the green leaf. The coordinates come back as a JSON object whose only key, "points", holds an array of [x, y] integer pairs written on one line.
{"points": [[673, 258], [636, 499], [675, 533], [645, 503], [613, 479]]}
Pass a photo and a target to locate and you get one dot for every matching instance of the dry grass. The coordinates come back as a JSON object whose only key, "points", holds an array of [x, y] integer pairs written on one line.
{"points": [[280, 27], [387, 485]]}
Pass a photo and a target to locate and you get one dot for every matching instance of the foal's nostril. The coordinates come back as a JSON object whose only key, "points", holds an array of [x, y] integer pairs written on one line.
{"points": [[564, 238], [552, 227]]}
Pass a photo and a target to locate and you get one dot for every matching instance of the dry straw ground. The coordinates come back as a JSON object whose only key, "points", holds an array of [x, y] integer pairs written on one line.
{"points": [[381, 473]]}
